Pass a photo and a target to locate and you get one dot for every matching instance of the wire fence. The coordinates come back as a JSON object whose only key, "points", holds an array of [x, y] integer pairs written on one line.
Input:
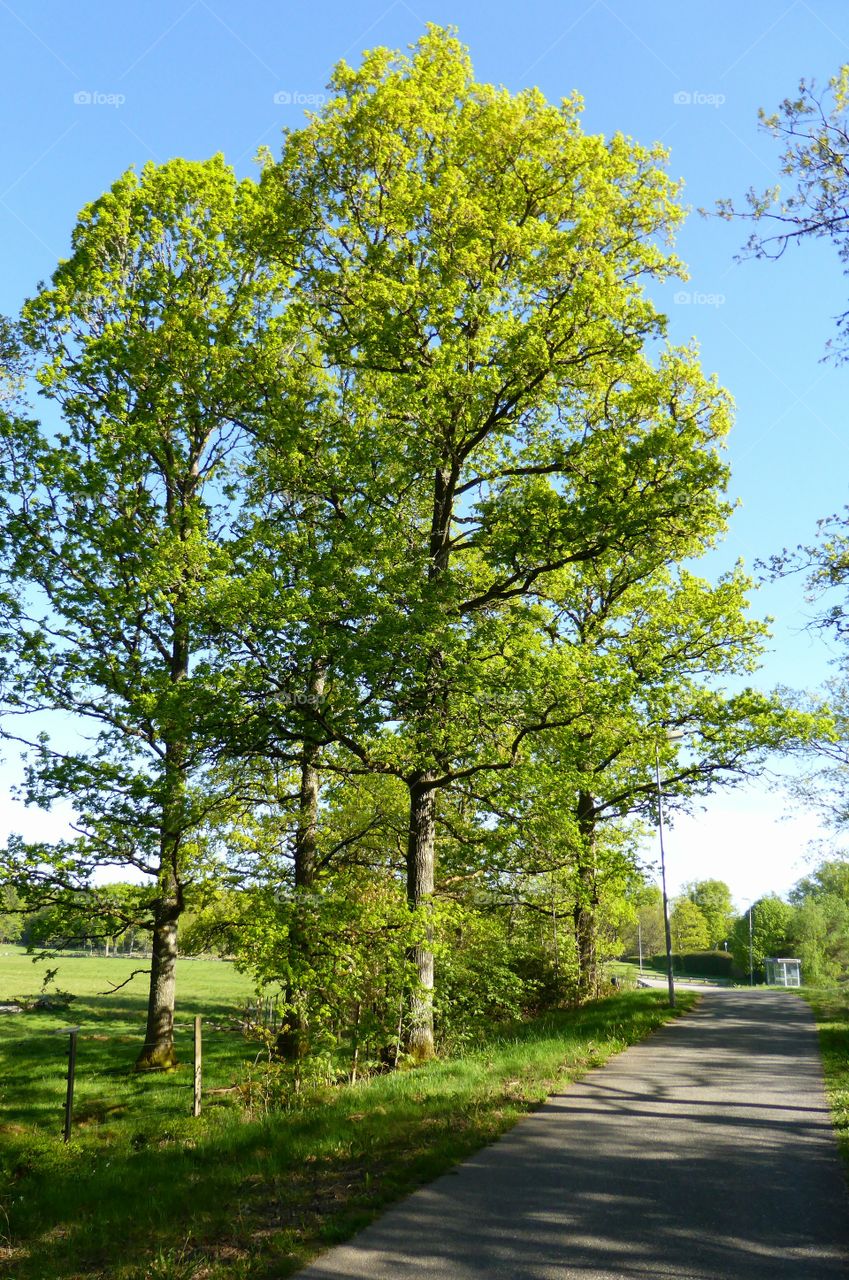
{"points": [[261, 1012]]}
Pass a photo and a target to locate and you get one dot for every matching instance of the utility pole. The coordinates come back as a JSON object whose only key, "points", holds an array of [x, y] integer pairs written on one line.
{"points": [[670, 981]]}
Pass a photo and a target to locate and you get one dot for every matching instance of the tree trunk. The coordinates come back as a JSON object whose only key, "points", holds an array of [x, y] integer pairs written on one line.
{"points": [[586, 901], [306, 836], [158, 1053], [292, 1040], [421, 840], [421, 864]]}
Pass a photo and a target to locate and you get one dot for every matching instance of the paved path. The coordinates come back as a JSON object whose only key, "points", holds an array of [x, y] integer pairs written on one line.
{"points": [[705, 1153]]}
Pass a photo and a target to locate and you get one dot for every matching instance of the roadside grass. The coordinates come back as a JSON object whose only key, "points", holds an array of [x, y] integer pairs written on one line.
{"points": [[830, 1006], [144, 1191]]}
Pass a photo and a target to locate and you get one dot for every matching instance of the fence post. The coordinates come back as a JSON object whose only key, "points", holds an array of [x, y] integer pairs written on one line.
{"points": [[198, 1067], [72, 1070]]}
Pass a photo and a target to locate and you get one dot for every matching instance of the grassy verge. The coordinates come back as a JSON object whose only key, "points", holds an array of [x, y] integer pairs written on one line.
{"points": [[831, 1010], [149, 1193]]}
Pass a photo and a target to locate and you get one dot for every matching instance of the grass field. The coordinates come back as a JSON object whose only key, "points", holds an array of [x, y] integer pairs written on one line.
{"points": [[144, 1191], [34, 1056]]}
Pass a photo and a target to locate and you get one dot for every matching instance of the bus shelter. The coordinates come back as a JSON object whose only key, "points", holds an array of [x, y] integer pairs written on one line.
{"points": [[783, 972]]}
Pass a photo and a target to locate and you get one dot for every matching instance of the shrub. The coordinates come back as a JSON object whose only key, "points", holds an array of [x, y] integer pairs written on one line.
{"points": [[700, 964]]}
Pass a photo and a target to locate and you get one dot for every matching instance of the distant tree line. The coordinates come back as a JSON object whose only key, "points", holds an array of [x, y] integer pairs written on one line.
{"points": [[812, 925]]}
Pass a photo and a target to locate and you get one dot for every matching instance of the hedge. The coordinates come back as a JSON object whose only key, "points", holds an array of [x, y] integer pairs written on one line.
{"points": [[697, 964]]}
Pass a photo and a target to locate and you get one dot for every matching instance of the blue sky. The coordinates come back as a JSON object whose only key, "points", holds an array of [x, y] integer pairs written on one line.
{"points": [[91, 88]]}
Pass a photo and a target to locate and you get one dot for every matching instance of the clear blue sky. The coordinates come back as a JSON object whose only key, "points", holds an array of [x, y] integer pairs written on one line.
{"points": [[90, 88]]}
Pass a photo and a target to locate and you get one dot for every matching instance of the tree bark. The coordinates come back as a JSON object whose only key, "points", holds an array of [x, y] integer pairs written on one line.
{"points": [[421, 839], [306, 836], [585, 913], [421, 867], [158, 1052], [291, 1042]]}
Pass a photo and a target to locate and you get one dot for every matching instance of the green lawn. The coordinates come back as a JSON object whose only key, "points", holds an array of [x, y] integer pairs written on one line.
{"points": [[831, 1010], [144, 1191]]}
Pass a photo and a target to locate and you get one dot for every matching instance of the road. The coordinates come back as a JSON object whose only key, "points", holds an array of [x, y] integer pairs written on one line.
{"points": [[704, 1153]]}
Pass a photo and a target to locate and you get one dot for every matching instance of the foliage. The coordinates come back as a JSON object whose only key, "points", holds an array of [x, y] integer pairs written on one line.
{"points": [[643, 934], [713, 898], [362, 544], [829, 879], [820, 928], [109, 918], [497, 966], [348, 973], [11, 914], [819, 937], [689, 928], [771, 925], [114, 531], [490, 324]]}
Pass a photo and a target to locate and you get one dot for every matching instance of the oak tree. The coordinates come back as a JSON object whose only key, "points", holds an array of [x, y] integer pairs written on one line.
{"points": [[153, 343], [472, 266]]}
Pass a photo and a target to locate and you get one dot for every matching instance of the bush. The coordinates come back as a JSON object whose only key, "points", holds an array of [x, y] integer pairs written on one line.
{"points": [[700, 964]]}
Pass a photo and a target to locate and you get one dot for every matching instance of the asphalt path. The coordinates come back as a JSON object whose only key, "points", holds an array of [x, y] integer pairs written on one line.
{"points": [[704, 1153]]}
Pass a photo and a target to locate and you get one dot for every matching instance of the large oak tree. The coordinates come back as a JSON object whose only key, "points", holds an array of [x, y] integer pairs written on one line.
{"points": [[154, 343], [472, 265]]}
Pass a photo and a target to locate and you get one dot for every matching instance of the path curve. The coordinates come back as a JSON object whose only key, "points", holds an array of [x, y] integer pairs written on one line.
{"points": [[704, 1153]]}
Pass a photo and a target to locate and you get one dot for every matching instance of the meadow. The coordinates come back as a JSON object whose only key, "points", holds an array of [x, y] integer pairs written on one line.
{"points": [[34, 1052], [144, 1191]]}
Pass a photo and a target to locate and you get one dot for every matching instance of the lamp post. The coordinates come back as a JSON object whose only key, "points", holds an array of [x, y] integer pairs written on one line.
{"points": [[672, 735]]}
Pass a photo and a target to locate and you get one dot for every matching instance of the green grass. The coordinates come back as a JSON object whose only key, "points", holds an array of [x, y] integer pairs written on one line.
{"points": [[831, 1010], [145, 1191], [33, 1055]]}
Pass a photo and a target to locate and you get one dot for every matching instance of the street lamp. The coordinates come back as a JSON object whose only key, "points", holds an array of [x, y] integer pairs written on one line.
{"points": [[672, 735]]}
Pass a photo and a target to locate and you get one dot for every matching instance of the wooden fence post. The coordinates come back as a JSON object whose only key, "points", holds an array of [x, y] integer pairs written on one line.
{"points": [[72, 1071], [198, 1067]]}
